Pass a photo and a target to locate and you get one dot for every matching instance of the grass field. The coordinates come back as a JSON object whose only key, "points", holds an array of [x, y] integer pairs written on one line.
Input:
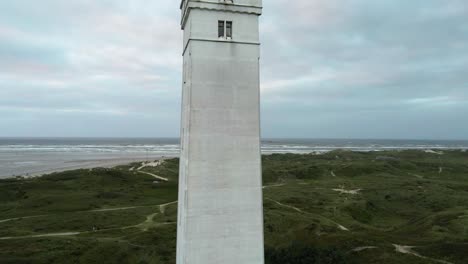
{"points": [[338, 207]]}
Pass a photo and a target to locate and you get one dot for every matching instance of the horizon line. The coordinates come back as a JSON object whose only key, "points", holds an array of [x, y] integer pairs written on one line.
{"points": [[262, 138]]}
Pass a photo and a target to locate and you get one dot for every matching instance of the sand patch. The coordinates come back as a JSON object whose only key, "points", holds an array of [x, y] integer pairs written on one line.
{"points": [[344, 191], [434, 152], [151, 164]]}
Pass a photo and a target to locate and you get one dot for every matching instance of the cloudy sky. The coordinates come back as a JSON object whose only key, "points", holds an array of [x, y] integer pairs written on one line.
{"points": [[330, 68]]}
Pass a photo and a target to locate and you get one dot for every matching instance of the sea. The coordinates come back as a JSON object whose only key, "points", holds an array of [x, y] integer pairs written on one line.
{"points": [[37, 156]]}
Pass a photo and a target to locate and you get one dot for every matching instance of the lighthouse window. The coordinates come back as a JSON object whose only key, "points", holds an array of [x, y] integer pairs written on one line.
{"points": [[229, 29], [221, 29], [225, 29]]}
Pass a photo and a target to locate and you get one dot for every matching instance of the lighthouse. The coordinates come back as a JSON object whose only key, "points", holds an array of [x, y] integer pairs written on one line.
{"points": [[220, 214]]}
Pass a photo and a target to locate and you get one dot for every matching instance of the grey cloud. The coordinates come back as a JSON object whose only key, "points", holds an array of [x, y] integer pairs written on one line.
{"points": [[375, 62], [357, 68]]}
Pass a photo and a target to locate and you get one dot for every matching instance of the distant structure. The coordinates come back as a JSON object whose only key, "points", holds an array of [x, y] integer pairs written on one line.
{"points": [[220, 217]]}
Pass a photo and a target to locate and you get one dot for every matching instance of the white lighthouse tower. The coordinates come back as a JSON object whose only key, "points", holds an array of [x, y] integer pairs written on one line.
{"points": [[220, 217]]}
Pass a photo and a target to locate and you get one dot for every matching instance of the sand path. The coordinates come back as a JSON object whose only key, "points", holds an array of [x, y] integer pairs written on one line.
{"points": [[409, 250], [161, 206], [117, 209], [155, 176], [19, 218], [359, 249], [43, 235], [416, 175], [341, 227], [144, 226], [343, 191], [434, 152], [150, 164], [274, 185]]}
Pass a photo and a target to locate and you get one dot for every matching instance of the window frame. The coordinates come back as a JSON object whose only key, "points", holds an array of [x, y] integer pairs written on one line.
{"points": [[221, 28], [228, 30], [225, 29]]}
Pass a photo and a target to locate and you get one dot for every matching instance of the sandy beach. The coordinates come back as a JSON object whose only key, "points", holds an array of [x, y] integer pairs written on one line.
{"points": [[38, 156], [83, 164]]}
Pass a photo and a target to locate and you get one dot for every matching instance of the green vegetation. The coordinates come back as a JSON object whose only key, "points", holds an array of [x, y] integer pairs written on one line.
{"points": [[338, 207]]}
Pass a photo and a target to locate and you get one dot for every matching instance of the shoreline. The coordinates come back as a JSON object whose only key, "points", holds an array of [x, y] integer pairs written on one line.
{"points": [[113, 162], [86, 164]]}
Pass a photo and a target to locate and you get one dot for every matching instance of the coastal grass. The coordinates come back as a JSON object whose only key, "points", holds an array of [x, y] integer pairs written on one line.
{"points": [[336, 207]]}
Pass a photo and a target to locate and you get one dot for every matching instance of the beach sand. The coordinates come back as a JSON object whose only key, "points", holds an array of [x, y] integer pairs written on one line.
{"points": [[83, 164]]}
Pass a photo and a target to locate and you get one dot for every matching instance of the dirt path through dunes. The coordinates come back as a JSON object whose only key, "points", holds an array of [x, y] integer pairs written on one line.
{"points": [[288, 206], [19, 218], [343, 191], [161, 207], [148, 222], [151, 164], [274, 185], [416, 175], [409, 250], [43, 235], [117, 209], [66, 233], [359, 249], [311, 214], [144, 226], [434, 152], [155, 176]]}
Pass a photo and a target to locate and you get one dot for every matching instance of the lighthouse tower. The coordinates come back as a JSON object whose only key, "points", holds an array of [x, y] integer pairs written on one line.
{"points": [[220, 216]]}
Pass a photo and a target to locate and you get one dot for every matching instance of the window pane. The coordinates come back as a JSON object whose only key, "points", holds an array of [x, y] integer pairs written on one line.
{"points": [[221, 29], [229, 29]]}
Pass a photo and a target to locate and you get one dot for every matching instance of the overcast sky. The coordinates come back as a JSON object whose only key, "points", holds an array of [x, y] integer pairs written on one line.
{"points": [[330, 68]]}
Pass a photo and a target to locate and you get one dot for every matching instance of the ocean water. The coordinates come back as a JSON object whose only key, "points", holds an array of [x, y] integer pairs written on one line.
{"points": [[34, 156]]}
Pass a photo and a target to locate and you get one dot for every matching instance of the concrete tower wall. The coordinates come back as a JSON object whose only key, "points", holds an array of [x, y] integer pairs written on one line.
{"points": [[220, 193]]}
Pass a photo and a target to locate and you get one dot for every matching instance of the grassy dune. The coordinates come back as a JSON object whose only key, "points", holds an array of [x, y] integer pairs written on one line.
{"points": [[339, 207]]}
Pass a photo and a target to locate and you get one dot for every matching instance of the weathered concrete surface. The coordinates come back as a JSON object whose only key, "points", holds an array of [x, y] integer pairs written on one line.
{"points": [[220, 195]]}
